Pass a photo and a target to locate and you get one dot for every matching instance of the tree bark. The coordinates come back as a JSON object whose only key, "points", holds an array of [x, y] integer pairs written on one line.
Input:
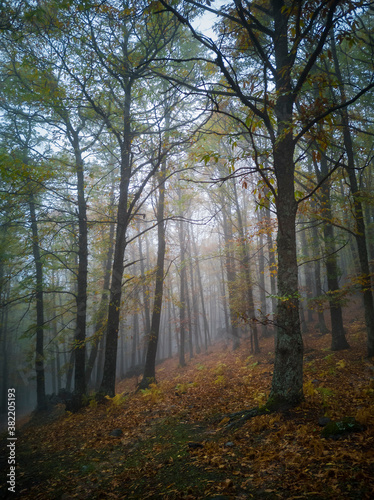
{"points": [[145, 289], [39, 351], [110, 364], [338, 339], [244, 256], [80, 327], [182, 300], [201, 293], [231, 278], [287, 382], [153, 338], [103, 305], [195, 308], [261, 271]]}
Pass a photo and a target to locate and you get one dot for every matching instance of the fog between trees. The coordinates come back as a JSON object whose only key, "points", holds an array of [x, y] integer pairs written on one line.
{"points": [[162, 191]]}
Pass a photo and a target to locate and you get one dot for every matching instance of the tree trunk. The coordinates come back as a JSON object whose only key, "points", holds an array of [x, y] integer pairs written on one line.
{"points": [[194, 296], [231, 279], [39, 351], [170, 339], [317, 271], [272, 262], [307, 273], [287, 382], [224, 294], [4, 342], [110, 364], [182, 301], [201, 293], [153, 338], [244, 256], [338, 340], [261, 271], [145, 289], [80, 328], [101, 319]]}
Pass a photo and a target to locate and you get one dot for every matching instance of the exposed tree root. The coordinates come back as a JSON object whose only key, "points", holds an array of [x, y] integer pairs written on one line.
{"points": [[239, 418]]}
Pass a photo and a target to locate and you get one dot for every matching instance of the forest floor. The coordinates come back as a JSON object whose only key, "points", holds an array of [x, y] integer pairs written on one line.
{"points": [[173, 441]]}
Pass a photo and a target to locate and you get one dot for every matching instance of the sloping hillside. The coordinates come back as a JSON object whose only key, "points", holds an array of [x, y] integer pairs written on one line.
{"points": [[174, 440]]}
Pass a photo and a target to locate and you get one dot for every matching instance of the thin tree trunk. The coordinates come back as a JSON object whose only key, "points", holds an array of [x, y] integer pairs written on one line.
{"points": [[262, 285], [103, 305], [145, 290], [307, 273], [231, 279], [338, 339], [80, 328], [271, 259], [108, 382], [224, 295], [4, 343], [153, 338], [70, 371], [317, 275], [201, 292], [182, 298], [194, 296], [244, 254], [170, 340], [58, 366], [39, 351]]}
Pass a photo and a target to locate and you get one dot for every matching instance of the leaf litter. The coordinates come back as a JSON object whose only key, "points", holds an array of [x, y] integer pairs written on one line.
{"points": [[173, 441]]}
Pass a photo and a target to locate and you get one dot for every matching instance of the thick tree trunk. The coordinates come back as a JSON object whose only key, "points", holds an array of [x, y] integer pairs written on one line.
{"points": [[287, 382]]}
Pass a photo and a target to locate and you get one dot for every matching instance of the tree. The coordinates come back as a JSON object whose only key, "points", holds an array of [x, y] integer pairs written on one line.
{"points": [[149, 375], [25, 179], [138, 40], [338, 339], [358, 212], [283, 41]]}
